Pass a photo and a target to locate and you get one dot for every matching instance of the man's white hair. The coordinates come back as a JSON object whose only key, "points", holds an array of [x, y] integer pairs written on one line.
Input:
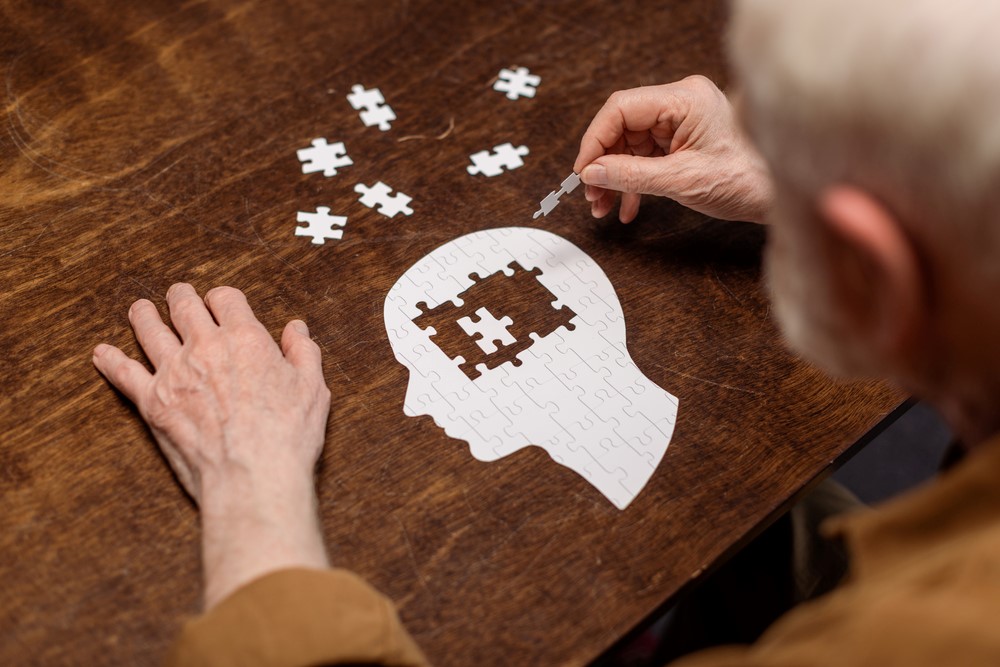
{"points": [[899, 97]]}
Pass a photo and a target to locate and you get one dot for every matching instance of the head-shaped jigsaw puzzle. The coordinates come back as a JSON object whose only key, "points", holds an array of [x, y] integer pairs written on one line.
{"points": [[515, 337]]}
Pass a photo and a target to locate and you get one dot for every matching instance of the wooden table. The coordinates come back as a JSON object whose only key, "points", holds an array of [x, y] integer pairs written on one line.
{"points": [[154, 142]]}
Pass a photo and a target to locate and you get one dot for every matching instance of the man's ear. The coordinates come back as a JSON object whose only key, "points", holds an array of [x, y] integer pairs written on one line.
{"points": [[879, 278]]}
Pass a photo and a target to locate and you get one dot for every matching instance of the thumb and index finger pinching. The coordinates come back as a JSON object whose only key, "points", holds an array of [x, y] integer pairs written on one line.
{"points": [[604, 160]]}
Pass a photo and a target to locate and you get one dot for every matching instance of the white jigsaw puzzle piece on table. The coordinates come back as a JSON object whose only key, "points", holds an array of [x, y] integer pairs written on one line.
{"points": [[362, 98], [371, 103], [489, 328], [324, 157], [378, 195], [493, 164], [320, 225], [576, 393], [517, 83], [379, 116], [551, 200]]}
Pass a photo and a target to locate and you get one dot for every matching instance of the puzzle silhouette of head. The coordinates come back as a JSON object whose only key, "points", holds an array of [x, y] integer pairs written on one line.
{"points": [[515, 337]]}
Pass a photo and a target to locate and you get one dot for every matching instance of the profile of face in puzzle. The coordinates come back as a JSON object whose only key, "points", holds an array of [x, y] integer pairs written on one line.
{"points": [[515, 337]]}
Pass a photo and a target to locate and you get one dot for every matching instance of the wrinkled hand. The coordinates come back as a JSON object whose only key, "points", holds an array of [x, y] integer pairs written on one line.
{"points": [[241, 422], [679, 140], [224, 399]]}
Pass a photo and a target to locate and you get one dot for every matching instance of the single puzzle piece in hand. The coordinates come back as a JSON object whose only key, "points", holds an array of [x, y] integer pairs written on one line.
{"points": [[375, 110], [324, 157], [490, 330], [320, 225], [378, 195], [493, 164], [552, 199], [517, 83]]}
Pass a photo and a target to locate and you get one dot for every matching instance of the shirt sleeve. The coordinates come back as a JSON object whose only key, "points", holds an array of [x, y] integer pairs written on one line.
{"points": [[298, 617]]}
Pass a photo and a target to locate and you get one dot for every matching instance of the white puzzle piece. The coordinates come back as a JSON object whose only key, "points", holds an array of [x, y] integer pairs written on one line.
{"points": [[374, 110], [573, 390], [490, 330], [378, 195], [517, 83], [493, 164], [320, 225], [551, 200], [324, 157]]}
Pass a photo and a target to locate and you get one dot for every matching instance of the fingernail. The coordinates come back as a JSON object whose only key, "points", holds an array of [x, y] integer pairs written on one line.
{"points": [[301, 327], [99, 350], [595, 174]]}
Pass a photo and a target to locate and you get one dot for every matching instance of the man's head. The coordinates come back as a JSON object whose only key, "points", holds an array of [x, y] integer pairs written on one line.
{"points": [[880, 120]]}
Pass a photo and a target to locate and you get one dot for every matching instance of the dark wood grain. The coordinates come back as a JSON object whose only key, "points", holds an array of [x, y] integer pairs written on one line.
{"points": [[147, 143]]}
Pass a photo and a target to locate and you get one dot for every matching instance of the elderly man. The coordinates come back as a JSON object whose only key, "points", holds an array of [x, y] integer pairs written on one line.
{"points": [[877, 165]]}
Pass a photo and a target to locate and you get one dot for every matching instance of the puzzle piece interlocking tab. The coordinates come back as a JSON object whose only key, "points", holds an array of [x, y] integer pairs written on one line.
{"points": [[526, 314]]}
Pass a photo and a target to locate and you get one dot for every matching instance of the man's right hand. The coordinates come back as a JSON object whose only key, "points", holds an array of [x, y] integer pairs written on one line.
{"points": [[679, 140]]}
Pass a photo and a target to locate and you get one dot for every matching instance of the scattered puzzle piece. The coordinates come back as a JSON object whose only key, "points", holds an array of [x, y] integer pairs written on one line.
{"points": [[490, 330], [324, 157], [320, 225], [378, 195], [517, 83], [375, 110], [552, 199], [380, 116], [493, 164]]}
